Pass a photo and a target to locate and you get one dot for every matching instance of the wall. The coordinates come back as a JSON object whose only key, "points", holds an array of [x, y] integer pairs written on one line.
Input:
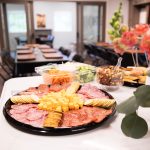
{"points": [[62, 38], [12, 41], [65, 38]]}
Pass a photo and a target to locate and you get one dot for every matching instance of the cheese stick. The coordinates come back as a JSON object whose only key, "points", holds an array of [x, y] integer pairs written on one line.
{"points": [[25, 99], [73, 88], [106, 103]]}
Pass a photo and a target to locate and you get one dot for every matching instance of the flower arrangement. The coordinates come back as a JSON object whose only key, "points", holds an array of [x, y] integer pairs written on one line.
{"points": [[129, 39], [132, 40]]}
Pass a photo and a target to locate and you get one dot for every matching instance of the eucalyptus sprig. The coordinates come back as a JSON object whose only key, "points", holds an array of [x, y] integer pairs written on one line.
{"points": [[133, 125]]}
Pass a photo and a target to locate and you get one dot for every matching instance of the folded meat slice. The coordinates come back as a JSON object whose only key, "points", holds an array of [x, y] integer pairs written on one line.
{"points": [[58, 87], [38, 123], [83, 116], [32, 89], [28, 114], [35, 114], [19, 117], [100, 113], [21, 108], [43, 88], [89, 92]]}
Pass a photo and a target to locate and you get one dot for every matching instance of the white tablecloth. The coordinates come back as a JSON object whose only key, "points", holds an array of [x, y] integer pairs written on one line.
{"points": [[107, 137]]}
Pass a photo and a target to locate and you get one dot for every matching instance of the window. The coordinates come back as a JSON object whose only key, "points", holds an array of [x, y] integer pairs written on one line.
{"points": [[17, 21]]}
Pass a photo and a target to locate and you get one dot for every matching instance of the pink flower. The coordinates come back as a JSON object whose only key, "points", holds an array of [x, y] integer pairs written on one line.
{"points": [[145, 43], [119, 47], [129, 38], [141, 29]]}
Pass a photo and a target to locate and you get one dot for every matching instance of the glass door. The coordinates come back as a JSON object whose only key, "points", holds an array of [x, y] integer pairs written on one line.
{"points": [[91, 23], [17, 25]]}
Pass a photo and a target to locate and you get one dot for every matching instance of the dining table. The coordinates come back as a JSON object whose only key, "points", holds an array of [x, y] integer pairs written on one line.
{"points": [[107, 136], [26, 62]]}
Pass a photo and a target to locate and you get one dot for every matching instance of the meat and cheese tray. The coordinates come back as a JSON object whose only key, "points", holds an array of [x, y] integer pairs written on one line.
{"points": [[59, 109], [134, 76]]}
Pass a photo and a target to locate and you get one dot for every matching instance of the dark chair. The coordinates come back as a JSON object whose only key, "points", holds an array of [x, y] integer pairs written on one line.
{"points": [[64, 51], [45, 40], [17, 40], [78, 58], [21, 40], [101, 56], [7, 64], [128, 60], [90, 52]]}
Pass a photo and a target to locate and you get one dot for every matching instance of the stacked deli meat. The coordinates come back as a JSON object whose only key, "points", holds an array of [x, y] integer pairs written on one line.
{"points": [[84, 115], [28, 114], [88, 92]]}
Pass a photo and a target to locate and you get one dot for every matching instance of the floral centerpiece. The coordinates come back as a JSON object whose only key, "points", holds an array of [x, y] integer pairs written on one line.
{"points": [[133, 40]]}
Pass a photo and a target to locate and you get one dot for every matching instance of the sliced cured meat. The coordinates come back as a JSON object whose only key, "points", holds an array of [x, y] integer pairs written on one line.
{"points": [[58, 87], [90, 91], [38, 123], [43, 88], [20, 108], [83, 97], [40, 94], [32, 89], [28, 114], [24, 120], [23, 106], [34, 114], [15, 111], [99, 114], [19, 116], [84, 116]]}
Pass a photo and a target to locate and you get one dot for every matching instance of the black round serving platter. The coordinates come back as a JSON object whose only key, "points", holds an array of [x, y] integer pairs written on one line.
{"points": [[60, 131], [130, 84]]}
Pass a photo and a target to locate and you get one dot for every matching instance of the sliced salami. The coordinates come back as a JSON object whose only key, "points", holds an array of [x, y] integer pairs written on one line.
{"points": [[90, 92], [28, 114], [43, 88], [21, 108], [84, 116], [34, 114]]}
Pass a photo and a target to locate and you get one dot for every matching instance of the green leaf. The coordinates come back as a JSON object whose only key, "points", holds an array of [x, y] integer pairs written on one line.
{"points": [[134, 126], [129, 106], [142, 95]]}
